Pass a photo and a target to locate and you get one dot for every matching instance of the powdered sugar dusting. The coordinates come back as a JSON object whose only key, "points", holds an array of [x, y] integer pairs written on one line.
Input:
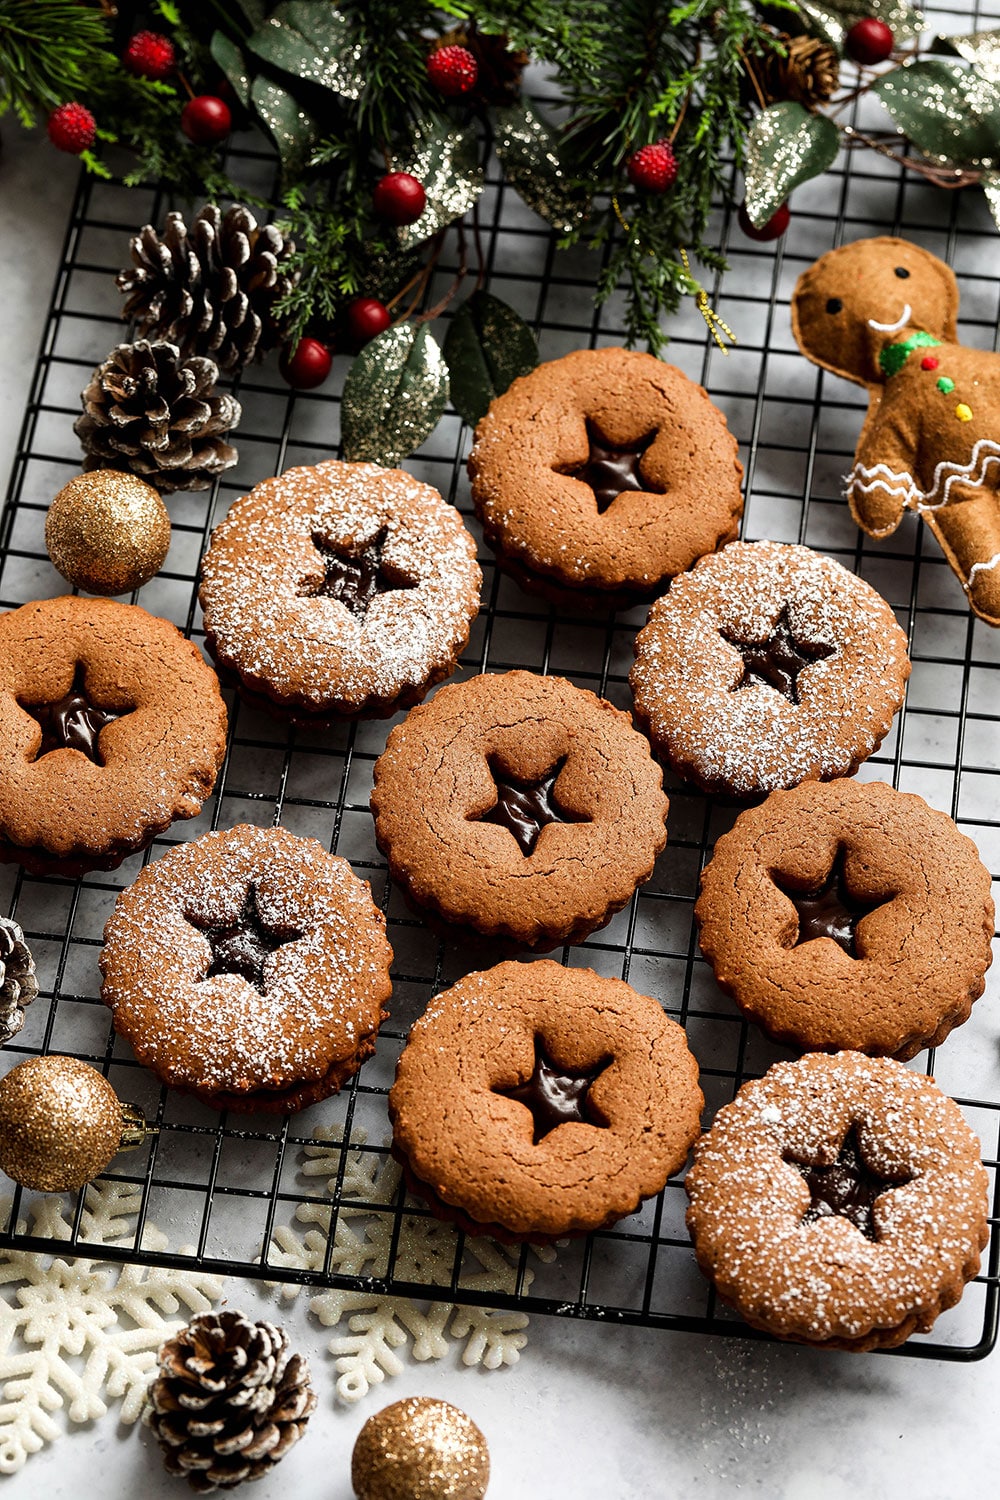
{"points": [[755, 739], [824, 1279], [312, 650], [322, 992]]}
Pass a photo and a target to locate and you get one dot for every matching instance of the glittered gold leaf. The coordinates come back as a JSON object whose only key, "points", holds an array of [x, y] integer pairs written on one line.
{"points": [[293, 131], [394, 395], [786, 145], [527, 148], [486, 347], [314, 42], [980, 48], [832, 19], [446, 162], [950, 112]]}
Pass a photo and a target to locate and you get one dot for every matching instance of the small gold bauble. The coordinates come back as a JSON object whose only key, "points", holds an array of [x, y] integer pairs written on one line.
{"points": [[107, 532], [420, 1449], [60, 1123]]}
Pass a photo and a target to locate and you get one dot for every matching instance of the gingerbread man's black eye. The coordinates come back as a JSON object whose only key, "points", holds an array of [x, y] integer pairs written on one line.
{"points": [[902, 272], [834, 305]]}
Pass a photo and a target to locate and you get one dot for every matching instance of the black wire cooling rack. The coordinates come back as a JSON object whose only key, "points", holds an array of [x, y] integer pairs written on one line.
{"points": [[227, 1183]]}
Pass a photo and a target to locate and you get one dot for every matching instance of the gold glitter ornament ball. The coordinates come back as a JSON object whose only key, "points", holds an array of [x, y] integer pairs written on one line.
{"points": [[107, 532], [420, 1449], [60, 1123]]}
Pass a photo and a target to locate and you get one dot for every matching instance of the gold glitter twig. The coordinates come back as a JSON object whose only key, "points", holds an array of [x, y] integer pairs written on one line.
{"points": [[713, 320]]}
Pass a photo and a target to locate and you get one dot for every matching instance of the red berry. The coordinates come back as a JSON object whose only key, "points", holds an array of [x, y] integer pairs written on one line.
{"points": [[206, 120], [72, 128], [653, 168], [366, 319], [307, 365], [772, 230], [399, 198], [869, 41], [149, 55], [452, 71]]}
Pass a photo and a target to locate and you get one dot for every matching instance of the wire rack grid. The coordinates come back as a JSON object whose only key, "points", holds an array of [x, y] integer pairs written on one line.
{"points": [[228, 1182]]}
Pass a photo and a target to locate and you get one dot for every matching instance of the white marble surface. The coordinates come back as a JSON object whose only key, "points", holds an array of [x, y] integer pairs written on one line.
{"points": [[590, 1412]]}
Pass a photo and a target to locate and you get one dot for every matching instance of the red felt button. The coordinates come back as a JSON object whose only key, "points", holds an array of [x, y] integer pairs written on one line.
{"points": [[929, 362]]}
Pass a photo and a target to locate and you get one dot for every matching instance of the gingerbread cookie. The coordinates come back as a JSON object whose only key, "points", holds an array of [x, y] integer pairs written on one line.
{"points": [[839, 1201], [848, 915], [882, 312], [766, 665], [111, 726], [340, 589], [520, 806], [533, 1101], [250, 968], [602, 474]]}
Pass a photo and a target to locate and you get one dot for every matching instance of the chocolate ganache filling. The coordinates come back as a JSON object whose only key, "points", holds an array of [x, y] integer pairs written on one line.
{"points": [[831, 910], [524, 808], [847, 1187], [555, 1095], [243, 947], [73, 722], [609, 470], [779, 659], [355, 578]]}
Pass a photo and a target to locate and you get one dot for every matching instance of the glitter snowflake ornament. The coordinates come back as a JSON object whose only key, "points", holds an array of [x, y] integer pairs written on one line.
{"points": [[382, 1329], [75, 1334]]}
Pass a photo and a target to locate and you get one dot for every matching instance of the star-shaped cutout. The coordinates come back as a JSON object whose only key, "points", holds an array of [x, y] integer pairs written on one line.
{"points": [[355, 577], [831, 910], [556, 1095], [524, 808], [74, 721], [610, 470], [243, 947], [779, 659], [847, 1187]]}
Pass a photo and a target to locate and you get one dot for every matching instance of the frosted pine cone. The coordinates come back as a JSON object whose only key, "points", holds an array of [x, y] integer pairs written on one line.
{"points": [[150, 412], [18, 985], [210, 289], [229, 1401]]}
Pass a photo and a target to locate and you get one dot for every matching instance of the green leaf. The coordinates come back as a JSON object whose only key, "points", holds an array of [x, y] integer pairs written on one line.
{"points": [[230, 60], [785, 146], [314, 42], [486, 347], [950, 112], [294, 132], [254, 10], [447, 163], [528, 150], [980, 48], [832, 19], [394, 395]]}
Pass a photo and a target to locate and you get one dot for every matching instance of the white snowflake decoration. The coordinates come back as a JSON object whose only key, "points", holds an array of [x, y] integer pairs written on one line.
{"points": [[425, 1251], [74, 1332]]}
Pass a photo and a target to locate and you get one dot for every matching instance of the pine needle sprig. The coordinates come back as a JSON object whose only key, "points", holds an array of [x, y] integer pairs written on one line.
{"points": [[49, 54]]}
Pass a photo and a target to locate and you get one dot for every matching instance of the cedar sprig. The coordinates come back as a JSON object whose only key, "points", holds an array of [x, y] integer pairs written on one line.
{"points": [[49, 53]]}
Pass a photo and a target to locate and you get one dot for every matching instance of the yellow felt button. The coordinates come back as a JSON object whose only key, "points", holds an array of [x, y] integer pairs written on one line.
{"points": [[963, 412]]}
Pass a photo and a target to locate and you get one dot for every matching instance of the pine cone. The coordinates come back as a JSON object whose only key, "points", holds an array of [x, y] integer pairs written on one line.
{"points": [[18, 985], [229, 1400], [210, 289], [149, 412], [809, 74]]}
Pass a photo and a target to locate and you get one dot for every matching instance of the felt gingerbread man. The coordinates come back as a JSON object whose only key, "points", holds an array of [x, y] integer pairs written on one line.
{"points": [[882, 312]]}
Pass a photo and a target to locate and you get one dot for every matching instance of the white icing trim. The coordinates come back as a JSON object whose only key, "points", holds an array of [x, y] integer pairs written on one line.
{"points": [[900, 322], [983, 567], [974, 473]]}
